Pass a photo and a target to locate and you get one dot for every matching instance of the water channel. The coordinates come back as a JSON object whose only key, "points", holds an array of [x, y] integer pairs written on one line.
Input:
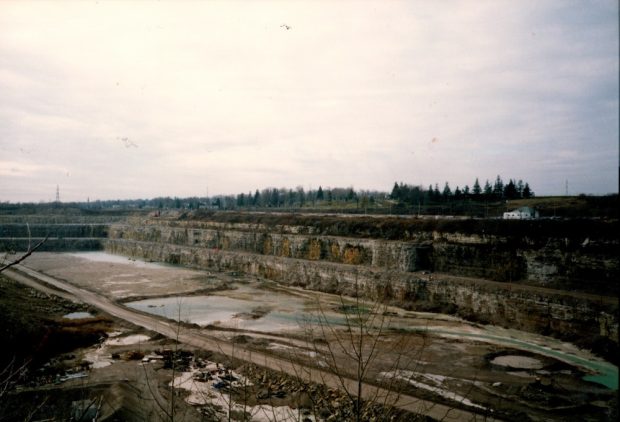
{"points": [[281, 312]]}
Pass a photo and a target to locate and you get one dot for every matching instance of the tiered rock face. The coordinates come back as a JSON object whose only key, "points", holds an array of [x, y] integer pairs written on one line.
{"points": [[61, 237], [580, 267], [395, 255]]}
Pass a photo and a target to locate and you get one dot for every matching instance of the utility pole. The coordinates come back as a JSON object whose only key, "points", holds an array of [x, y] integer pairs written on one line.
{"points": [[57, 194], [566, 187]]}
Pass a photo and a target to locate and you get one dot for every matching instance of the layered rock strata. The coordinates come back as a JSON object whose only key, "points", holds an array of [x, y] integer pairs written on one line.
{"points": [[401, 269]]}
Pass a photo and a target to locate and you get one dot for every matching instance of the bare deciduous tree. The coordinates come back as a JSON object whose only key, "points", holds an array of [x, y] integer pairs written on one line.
{"points": [[358, 348], [6, 265]]}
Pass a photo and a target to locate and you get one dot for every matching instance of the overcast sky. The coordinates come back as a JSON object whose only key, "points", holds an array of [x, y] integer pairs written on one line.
{"points": [[135, 100]]}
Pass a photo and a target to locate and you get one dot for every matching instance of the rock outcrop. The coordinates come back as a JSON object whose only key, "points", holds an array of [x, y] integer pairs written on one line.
{"points": [[559, 286], [60, 237]]}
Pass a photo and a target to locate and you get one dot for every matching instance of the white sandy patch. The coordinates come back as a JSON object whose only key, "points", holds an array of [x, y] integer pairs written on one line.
{"points": [[541, 341], [124, 282], [278, 346], [200, 392], [116, 259], [442, 330], [265, 413], [436, 379], [203, 393], [125, 341], [78, 315], [98, 357], [516, 361], [521, 374]]}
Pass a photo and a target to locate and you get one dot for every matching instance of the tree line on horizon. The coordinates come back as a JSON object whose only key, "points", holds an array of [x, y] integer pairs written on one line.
{"points": [[409, 194], [297, 198], [402, 194]]}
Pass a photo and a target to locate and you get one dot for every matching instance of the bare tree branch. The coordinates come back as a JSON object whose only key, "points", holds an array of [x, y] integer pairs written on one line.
{"points": [[29, 252]]}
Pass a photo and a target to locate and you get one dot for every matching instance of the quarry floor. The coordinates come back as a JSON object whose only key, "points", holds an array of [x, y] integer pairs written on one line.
{"points": [[486, 370]]}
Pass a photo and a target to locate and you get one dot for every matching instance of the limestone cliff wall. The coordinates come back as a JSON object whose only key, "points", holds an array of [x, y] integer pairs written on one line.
{"points": [[574, 264], [395, 255], [53, 244], [61, 237], [54, 230], [531, 309]]}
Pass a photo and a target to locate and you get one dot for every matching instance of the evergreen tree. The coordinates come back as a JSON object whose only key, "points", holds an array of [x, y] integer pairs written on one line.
{"points": [[477, 190], [290, 198], [241, 200], [520, 188], [364, 201], [429, 194], [447, 192], [488, 190], [527, 192], [275, 198], [301, 195], [415, 195], [498, 187], [510, 190], [319, 194], [395, 192], [436, 193]]}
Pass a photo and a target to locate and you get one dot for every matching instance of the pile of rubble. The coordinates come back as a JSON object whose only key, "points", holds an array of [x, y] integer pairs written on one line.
{"points": [[220, 391]]}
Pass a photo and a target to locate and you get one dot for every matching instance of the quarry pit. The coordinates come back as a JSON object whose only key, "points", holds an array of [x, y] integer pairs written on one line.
{"points": [[495, 341]]}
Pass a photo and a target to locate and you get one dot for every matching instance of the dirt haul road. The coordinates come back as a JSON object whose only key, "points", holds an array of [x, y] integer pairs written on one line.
{"points": [[198, 339]]}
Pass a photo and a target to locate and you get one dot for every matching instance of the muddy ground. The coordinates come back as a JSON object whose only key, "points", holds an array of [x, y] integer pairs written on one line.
{"points": [[125, 373], [487, 377]]}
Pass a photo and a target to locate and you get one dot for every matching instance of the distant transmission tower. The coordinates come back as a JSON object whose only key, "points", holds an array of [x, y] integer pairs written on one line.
{"points": [[57, 194]]}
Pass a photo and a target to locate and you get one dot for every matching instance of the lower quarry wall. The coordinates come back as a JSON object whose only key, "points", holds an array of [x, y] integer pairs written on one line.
{"points": [[60, 237], [396, 270], [575, 261]]}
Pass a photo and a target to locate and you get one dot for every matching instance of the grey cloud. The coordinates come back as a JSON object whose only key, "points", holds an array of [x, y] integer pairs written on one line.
{"points": [[219, 95]]}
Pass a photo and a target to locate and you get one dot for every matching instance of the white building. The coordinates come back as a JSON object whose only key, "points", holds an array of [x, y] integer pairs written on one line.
{"points": [[523, 213]]}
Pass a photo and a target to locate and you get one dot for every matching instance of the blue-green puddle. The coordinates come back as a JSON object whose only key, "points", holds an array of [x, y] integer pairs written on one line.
{"points": [[78, 315], [205, 310], [605, 373]]}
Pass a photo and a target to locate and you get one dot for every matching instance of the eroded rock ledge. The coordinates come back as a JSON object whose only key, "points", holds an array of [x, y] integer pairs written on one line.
{"points": [[537, 276]]}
